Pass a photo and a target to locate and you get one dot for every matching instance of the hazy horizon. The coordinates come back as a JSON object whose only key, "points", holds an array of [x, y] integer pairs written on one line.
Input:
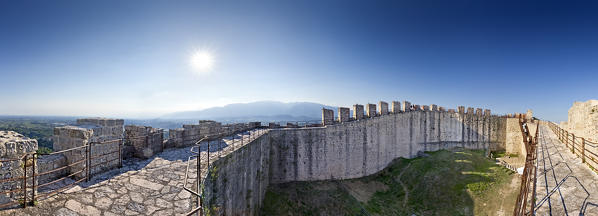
{"points": [[149, 58]]}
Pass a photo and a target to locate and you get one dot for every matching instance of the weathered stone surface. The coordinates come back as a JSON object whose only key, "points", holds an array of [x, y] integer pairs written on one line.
{"points": [[370, 110], [13, 146], [583, 120], [327, 116], [146, 184], [383, 108], [406, 106], [104, 137], [560, 171], [144, 140], [343, 114], [395, 107], [358, 111]]}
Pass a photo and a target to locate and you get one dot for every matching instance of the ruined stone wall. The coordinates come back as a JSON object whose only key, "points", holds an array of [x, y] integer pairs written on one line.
{"points": [[104, 136], [144, 140], [68, 137], [13, 146], [175, 137], [46, 163], [583, 119]]}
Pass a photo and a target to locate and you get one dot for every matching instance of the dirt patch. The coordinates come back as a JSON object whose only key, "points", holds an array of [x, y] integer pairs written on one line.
{"points": [[363, 191]]}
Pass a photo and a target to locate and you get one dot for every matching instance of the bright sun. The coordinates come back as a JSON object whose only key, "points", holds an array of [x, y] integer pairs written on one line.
{"points": [[202, 61]]}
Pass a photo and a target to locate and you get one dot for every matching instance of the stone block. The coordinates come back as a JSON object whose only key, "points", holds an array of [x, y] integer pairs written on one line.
{"points": [[383, 108], [175, 136], [426, 108], [406, 106], [358, 111], [470, 111], [327, 116], [395, 107], [461, 109], [487, 113], [370, 110], [146, 141], [273, 125], [478, 112], [416, 107], [344, 114], [433, 107]]}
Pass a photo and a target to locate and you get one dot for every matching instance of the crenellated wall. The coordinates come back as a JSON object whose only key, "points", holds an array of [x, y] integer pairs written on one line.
{"points": [[363, 147], [341, 149]]}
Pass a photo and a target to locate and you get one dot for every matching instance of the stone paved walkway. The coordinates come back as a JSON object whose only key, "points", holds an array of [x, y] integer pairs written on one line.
{"points": [[565, 186], [142, 187]]}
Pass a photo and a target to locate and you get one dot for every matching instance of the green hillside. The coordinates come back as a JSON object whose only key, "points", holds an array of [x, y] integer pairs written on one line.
{"points": [[443, 183]]}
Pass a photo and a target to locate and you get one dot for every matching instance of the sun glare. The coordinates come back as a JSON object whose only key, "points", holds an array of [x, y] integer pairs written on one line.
{"points": [[202, 61]]}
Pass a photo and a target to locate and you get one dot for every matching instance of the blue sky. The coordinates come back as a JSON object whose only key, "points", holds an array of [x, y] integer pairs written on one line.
{"points": [[131, 58]]}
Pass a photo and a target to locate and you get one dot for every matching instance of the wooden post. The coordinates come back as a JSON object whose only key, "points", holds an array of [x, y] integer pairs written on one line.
{"points": [[583, 150], [567, 139], [573, 144], [25, 183]]}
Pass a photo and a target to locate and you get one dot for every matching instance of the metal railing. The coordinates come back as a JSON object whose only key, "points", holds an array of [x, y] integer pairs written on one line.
{"points": [[576, 144], [209, 157], [31, 190], [528, 178]]}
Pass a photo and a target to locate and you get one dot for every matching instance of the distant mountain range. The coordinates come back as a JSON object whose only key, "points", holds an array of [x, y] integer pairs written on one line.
{"points": [[256, 111]]}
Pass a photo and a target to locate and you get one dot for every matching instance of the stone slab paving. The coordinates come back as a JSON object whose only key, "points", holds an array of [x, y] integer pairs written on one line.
{"points": [[565, 185], [142, 187]]}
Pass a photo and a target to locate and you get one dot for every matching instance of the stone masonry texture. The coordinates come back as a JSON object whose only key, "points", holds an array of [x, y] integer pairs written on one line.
{"points": [[344, 114], [358, 111], [370, 110], [583, 119], [13, 146], [146, 141], [383, 107], [327, 116], [395, 107]]}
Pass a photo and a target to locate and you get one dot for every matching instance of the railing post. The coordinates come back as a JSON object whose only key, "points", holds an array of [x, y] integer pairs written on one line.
{"points": [[583, 150], [573, 144], [33, 180], [199, 174], [25, 183], [567, 139]]}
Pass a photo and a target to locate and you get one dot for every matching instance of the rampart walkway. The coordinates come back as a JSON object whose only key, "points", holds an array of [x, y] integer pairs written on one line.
{"points": [[565, 186], [142, 187]]}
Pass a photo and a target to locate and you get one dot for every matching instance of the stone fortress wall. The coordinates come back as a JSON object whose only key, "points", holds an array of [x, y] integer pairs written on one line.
{"points": [[583, 120], [344, 148], [350, 145]]}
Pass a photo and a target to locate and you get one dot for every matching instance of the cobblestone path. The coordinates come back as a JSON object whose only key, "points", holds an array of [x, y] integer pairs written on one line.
{"points": [[141, 187], [565, 185]]}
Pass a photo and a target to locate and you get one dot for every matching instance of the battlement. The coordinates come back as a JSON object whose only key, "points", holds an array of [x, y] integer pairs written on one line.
{"points": [[396, 108]]}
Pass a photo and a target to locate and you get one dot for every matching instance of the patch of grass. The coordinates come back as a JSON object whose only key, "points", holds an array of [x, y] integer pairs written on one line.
{"points": [[445, 183]]}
